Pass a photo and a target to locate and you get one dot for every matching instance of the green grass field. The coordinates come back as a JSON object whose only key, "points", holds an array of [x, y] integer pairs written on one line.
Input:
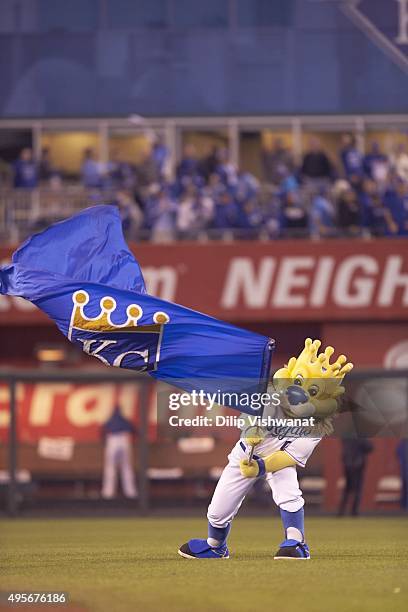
{"points": [[117, 565]]}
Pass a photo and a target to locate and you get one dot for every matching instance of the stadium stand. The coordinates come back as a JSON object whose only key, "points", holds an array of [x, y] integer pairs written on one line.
{"points": [[208, 197]]}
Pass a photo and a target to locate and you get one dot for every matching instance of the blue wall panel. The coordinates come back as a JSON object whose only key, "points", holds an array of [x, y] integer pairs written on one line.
{"points": [[179, 57]]}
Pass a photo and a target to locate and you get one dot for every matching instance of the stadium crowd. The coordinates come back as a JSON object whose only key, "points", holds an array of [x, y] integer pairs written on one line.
{"points": [[208, 197]]}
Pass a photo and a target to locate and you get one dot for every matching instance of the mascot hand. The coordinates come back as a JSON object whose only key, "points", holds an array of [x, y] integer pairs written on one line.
{"points": [[249, 470], [253, 436]]}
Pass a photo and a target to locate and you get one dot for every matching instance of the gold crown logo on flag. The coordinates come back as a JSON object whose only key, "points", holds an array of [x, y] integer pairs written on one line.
{"points": [[103, 322]]}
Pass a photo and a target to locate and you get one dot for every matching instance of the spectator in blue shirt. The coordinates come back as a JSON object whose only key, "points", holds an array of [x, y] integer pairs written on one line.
{"points": [[368, 191], [249, 219], [226, 212], [246, 187], [375, 164], [215, 187], [188, 166], [161, 212], [379, 219], [25, 170], [91, 171], [396, 200], [322, 216], [271, 213], [225, 168], [289, 183], [189, 220], [277, 162], [160, 154], [351, 158], [120, 173]]}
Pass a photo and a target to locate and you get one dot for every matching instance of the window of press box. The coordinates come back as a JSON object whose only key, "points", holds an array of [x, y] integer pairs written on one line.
{"points": [[390, 141], [131, 13], [130, 146], [12, 142], [258, 149], [203, 144], [67, 150], [377, 139], [331, 142]]}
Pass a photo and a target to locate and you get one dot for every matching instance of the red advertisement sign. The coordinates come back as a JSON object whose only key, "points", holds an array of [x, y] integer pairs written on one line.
{"points": [[69, 410], [275, 281]]}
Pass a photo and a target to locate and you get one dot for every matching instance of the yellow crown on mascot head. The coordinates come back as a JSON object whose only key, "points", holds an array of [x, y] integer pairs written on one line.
{"points": [[319, 378]]}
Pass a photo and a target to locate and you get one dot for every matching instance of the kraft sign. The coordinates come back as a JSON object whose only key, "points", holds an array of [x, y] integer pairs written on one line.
{"points": [[385, 22], [282, 280], [77, 411]]}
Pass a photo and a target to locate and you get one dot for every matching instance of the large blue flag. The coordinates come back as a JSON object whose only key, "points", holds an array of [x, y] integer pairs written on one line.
{"points": [[81, 273]]}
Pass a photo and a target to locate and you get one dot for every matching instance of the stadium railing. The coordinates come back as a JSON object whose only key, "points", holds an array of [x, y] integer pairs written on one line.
{"points": [[26, 211], [23, 211]]}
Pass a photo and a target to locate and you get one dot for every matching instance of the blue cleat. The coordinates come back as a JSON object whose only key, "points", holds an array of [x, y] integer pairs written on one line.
{"points": [[200, 549], [292, 549]]}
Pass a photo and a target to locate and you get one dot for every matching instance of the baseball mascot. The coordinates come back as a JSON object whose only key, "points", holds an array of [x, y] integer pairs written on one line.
{"points": [[308, 388]]}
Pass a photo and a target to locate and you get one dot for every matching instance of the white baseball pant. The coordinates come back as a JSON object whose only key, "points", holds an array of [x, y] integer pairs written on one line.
{"points": [[118, 458], [232, 487]]}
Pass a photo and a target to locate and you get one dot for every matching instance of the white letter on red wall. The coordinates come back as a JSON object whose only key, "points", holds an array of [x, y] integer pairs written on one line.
{"points": [[357, 292], [392, 280], [243, 278], [290, 277]]}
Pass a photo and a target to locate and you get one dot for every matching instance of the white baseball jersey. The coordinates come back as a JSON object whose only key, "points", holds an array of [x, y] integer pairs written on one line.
{"points": [[232, 487], [297, 441]]}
